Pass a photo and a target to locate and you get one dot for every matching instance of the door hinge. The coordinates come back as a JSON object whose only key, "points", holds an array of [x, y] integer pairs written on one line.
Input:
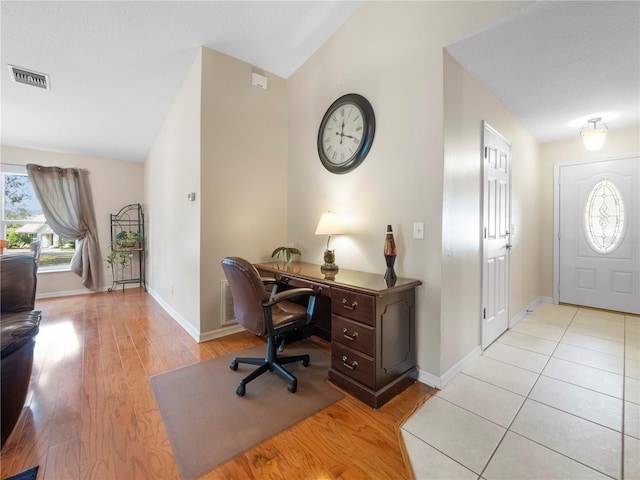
{"points": [[485, 232], [485, 152], [484, 313]]}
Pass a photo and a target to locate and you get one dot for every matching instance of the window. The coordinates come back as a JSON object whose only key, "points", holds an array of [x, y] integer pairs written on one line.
{"points": [[23, 222], [604, 217]]}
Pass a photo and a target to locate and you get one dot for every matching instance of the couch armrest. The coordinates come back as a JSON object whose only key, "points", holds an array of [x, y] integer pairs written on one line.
{"points": [[18, 282]]}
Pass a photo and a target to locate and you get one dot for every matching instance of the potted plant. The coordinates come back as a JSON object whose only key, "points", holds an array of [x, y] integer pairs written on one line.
{"points": [[287, 252], [127, 239], [118, 258]]}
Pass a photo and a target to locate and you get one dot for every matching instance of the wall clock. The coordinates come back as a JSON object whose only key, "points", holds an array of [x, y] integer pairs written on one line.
{"points": [[346, 133]]}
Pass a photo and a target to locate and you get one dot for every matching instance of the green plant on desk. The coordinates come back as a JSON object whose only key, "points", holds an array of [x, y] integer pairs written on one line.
{"points": [[287, 252]]}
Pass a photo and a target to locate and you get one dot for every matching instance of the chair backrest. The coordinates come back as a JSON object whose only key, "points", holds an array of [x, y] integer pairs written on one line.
{"points": [[248, 294]]}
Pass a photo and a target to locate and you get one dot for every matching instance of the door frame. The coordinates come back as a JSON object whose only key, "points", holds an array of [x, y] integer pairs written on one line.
{"points": [[556, 213], [483, 247]]}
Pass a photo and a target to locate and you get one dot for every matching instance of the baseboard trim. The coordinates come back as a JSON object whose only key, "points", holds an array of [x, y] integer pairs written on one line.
{"points": [[190, 329], [84, 291], [440, 382], [221, 332], [527, 310], [429, 379]]}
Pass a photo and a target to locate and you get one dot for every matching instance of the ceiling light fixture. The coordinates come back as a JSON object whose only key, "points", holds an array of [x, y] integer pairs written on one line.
{"points": [[593, 133]]}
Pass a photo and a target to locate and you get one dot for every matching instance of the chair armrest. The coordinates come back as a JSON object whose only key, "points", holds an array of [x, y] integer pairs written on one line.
{"points": [[274, 286], [290, 295]]}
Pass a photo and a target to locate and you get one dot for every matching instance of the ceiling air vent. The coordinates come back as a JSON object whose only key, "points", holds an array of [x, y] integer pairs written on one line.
{"points": [[22, 75]]}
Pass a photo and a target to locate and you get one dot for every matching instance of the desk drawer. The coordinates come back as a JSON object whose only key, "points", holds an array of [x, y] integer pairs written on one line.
{"points": [[356, 306], [354, 364], [355, 335], [299, 283]]}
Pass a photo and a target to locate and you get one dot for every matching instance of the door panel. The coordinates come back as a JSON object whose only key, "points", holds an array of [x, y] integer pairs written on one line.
{"points": [[496, 245], [599, 260]]}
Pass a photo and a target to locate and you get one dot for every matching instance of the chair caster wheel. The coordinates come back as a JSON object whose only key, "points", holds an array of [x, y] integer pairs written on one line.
{"points": [[234, 365], [240, 391], [293, 387], [305, 362]]}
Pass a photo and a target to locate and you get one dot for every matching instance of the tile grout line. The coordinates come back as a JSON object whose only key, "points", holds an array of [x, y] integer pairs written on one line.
{"points": [[438, 450], [624, 384], [508, 429], [527, 397]]}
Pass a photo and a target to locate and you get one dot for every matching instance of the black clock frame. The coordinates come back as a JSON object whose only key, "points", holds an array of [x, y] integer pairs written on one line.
{"points": [[369, 124]]}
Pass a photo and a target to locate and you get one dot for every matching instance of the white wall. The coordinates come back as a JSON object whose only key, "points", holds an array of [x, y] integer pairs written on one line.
{"points": [[243, 181], [392, 53], [114, 184], [467, 104], [225, 140], [618, 143], [171, 171]]}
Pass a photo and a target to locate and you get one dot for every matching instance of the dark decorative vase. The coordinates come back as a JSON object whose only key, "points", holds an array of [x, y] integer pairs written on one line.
{"points": [[390, 253]]}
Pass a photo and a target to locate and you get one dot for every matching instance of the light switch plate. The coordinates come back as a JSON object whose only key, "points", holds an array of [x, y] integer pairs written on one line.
{"points": [[418, 231]]}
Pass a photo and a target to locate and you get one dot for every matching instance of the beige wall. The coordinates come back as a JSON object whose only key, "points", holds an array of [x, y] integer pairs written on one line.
{"points": [[243, 180], [466, 105], [171, 171], [619, 143], [392, 53], [225, 140], [114, 184]]}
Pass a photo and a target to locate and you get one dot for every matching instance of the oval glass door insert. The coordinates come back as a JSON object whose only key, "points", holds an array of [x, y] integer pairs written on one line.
{"points": [[604, 217]]}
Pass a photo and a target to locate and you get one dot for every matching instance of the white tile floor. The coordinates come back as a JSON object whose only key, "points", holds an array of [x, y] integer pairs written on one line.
{"points": [[556, 397]]}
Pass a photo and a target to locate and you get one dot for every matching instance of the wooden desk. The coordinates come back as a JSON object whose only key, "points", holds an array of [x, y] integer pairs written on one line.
{"points": [[371, 326]]}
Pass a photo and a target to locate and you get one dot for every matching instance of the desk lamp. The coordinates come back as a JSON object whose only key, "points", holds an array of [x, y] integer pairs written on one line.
{"points": [[329, 225]]}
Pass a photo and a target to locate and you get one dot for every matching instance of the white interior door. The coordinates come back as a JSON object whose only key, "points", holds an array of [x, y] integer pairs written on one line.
{"points": [[599, 259], [495, 235]]}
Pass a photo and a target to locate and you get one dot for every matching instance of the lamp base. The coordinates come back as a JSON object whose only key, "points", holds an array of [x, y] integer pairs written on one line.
{"points": [[329, 261], [329, 267]]}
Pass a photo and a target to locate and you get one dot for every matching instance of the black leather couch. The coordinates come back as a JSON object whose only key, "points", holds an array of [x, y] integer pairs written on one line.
{"points": [[19, 324]]}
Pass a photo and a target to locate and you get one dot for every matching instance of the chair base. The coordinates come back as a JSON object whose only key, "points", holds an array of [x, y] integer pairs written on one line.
{"points": [[271, 363]]}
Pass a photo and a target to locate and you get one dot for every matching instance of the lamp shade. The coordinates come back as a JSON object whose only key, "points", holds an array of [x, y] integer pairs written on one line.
{"points": [[593, 134], [329, 225]]}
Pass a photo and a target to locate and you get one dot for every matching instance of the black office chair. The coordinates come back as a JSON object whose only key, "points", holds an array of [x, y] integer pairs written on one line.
{"points": [[267, 315]]}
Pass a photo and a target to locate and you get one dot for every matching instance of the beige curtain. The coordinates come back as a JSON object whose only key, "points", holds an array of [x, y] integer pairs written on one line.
{"points": [[67, 204]]}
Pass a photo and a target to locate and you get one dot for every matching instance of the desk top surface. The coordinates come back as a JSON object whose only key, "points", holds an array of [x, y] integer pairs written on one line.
{"points": [[350, 279]]}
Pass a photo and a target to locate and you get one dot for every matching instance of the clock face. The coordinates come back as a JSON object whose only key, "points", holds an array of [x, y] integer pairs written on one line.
{"points": [[346, 133], [343, 134]]}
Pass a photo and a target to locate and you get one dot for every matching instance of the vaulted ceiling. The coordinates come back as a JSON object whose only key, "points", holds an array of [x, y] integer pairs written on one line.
{"points": [[115, 67]]}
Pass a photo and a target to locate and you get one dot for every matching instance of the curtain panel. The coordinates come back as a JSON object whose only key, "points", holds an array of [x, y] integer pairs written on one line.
{"points": [[65, 197]]}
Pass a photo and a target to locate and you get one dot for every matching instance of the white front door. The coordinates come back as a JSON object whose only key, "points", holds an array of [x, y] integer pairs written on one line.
{"points": [[495, 235], [599, 241]]}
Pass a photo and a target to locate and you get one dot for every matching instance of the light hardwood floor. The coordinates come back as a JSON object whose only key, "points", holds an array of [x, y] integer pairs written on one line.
{"points": [[91, 413]]}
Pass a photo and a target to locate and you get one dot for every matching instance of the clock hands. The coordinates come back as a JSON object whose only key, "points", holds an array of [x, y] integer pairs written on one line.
{"points": [[342, 135]]}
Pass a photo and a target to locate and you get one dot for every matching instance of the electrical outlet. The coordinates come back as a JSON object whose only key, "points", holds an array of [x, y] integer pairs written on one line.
{"points": [[418, 231]]}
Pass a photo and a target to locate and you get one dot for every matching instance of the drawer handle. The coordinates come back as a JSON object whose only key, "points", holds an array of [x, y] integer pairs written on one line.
{"points": [[353, 365], [352, 337], [349, 307]]}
